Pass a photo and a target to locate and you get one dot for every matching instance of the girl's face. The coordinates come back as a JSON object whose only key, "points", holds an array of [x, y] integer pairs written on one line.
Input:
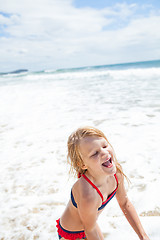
{"points": [[97, 155]]}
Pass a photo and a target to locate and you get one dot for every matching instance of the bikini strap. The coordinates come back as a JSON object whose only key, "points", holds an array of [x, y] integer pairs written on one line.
{"points": [[94, 186], [116, 180]]}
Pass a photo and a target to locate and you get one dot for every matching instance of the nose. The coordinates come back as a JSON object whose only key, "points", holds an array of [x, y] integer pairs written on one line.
{"points": [[105, 153]]}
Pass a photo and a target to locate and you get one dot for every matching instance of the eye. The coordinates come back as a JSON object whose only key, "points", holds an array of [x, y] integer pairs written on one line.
{"points": [[96, 153], [105, 146]]}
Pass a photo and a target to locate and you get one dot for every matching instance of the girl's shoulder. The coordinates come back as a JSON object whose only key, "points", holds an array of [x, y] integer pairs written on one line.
{"points": [[85, 194], [120, 177]]}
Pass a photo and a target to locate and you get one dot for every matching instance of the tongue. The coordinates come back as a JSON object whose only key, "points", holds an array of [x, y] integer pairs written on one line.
{"points": [[106, 164]]}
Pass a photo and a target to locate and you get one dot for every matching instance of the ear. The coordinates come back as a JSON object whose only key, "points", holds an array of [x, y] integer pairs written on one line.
{"points": [[84, 167]]}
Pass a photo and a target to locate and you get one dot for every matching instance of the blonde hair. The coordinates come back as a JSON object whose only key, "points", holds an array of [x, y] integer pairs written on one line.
{"points": [[74, 155]]}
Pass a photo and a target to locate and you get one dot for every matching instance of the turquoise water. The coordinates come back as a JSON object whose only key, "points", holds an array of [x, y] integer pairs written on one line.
{"points": [[144, 64]]}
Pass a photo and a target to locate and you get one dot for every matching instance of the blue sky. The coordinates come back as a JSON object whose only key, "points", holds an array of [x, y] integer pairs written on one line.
{"points": [[108, 3], [44, 34]]}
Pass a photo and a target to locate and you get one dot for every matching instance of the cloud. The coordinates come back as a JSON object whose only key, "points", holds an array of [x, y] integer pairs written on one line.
{"points": [[54, 34]]}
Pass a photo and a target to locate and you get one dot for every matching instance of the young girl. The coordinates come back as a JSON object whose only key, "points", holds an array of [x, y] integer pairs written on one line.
{"points": [[100, 179]]}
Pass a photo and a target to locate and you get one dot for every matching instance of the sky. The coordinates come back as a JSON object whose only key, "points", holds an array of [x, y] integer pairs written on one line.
{"points": [[53, 34]]}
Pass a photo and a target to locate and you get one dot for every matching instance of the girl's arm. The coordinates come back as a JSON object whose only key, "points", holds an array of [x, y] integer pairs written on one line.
{"points": [[87, 209], [129, 210]]}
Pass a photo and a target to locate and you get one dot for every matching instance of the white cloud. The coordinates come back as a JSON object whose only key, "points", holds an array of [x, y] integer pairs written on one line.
{"points": [[54, 34]]}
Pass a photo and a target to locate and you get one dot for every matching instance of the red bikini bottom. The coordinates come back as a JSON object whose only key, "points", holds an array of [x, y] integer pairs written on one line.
{"points": [[71, 235]]}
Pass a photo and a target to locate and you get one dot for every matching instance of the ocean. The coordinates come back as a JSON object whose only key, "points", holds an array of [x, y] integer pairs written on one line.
{"points": [[39, 110]]}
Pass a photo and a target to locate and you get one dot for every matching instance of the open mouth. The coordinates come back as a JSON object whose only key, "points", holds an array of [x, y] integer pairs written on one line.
{"points": [[108, 163]]}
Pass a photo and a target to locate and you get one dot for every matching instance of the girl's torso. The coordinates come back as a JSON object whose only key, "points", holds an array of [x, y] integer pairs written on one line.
{"points": [[70, 219]]}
